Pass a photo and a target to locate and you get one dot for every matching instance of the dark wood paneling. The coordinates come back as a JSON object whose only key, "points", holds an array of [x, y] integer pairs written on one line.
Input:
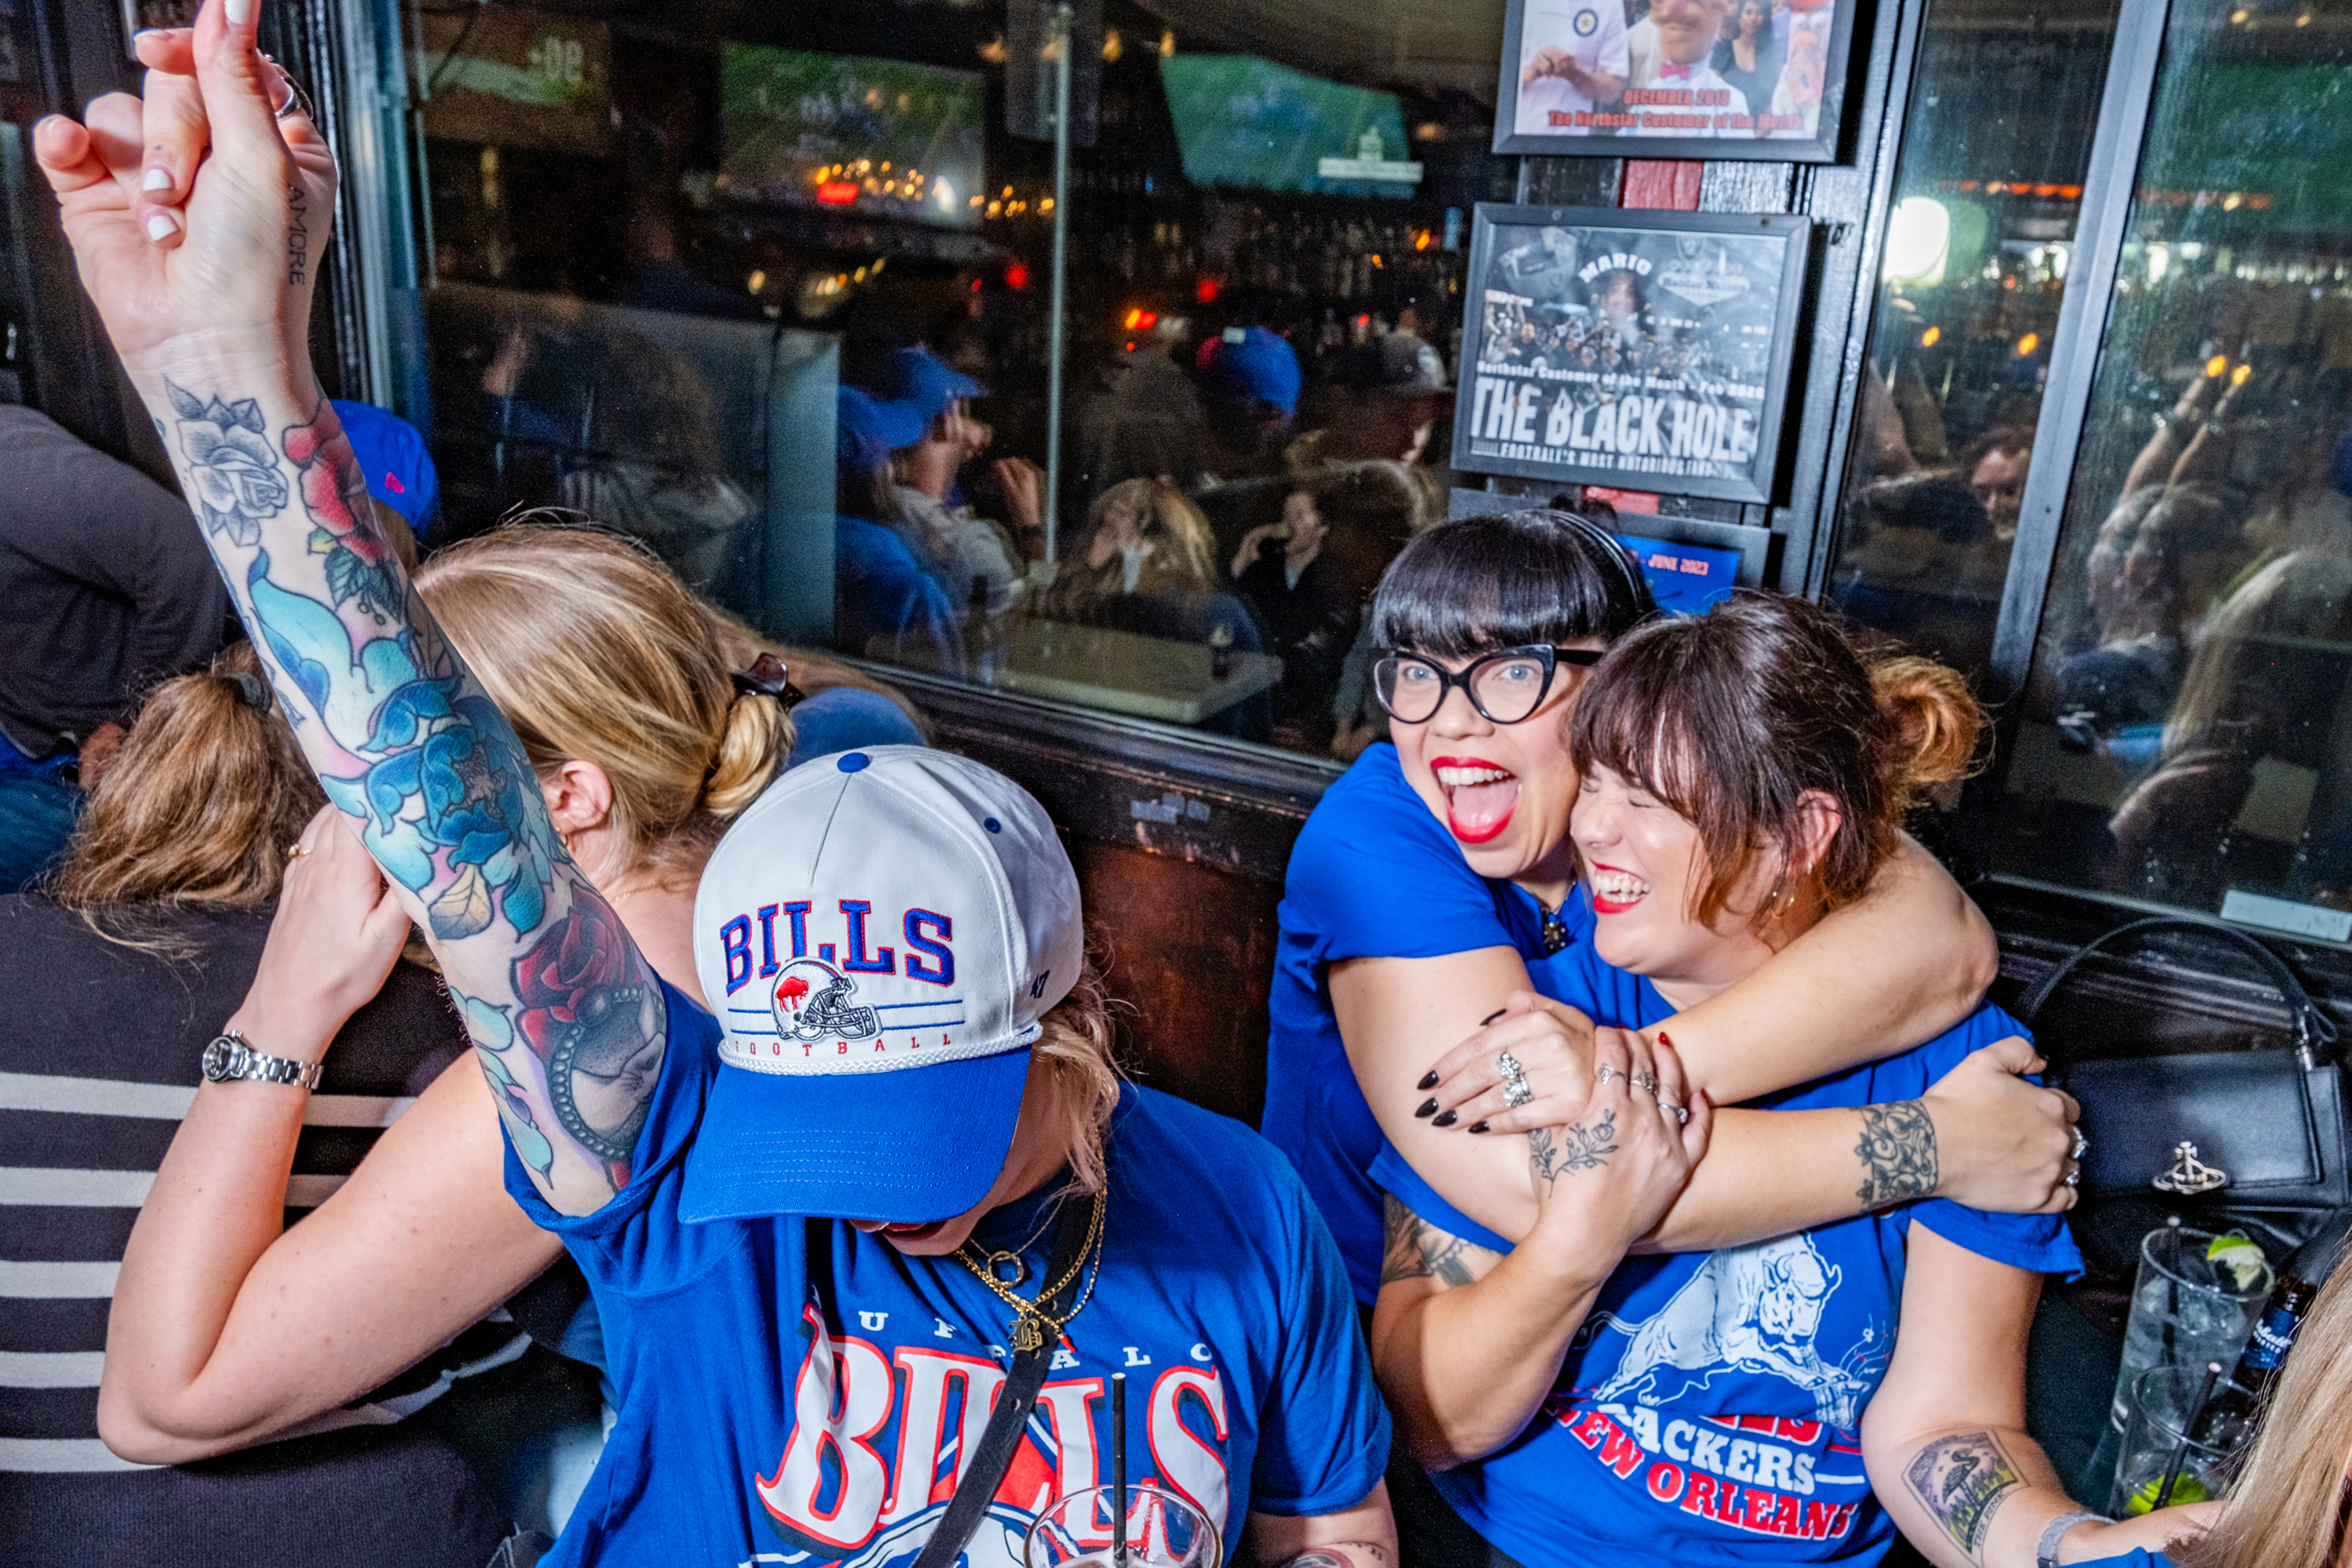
{"points": [[1190, 950]]}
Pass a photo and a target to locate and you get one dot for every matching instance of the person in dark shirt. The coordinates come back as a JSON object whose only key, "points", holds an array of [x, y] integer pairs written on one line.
{"points": [[104, 595], [117, 976], [1310, 619]]}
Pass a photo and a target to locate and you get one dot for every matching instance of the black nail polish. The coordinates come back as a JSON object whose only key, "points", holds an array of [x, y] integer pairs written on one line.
{"points": [[1428, 1080], [1428, 1108], [1476, 1127], [1491, 1016], [1446, 1119]]}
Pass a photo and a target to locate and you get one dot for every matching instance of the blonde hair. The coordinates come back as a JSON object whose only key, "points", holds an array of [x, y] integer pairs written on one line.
{"points": [[2286, 1509], [1170, 520], [811, 671], [1077, 1044], [596, 651], [198, 806]]}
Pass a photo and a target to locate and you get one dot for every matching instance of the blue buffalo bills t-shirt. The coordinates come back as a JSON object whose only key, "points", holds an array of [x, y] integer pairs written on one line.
{"points": [[797, 1392], [1374, 875], [1708, 1410]]}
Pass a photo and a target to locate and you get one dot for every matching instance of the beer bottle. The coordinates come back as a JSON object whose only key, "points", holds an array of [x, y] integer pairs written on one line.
{"points": [[2230, 1415], [982, 637]]}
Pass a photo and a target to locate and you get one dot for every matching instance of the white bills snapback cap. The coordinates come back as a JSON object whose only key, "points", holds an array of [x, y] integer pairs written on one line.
{"points": [[878, 936]]}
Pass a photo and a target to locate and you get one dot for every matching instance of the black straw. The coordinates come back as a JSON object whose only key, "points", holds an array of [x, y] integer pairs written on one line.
{"points": [[2181, 1450], [1119, 1468]]}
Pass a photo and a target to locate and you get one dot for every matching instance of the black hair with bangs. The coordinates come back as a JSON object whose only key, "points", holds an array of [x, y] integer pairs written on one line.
{"points": [[1510, 580]]}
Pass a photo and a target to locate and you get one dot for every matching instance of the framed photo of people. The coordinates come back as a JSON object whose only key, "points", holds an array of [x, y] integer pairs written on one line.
{"points": [[1649, 350], [1674, 78]]}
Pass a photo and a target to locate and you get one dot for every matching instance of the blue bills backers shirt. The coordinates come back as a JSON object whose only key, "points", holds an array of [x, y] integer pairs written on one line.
{"points": [[1708, 1410], [797, 1392], [1374, 875]]}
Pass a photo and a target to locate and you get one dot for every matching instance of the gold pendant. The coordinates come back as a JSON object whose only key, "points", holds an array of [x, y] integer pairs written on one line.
{"points": [[1026, 1336]]}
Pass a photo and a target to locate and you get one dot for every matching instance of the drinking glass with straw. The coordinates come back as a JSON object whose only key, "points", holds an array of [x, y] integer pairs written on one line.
{"points": [[1144, 1525]]}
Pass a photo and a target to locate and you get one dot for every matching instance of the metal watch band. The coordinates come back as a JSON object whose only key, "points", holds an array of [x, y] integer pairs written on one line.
{"points": [[2045, 1556], [231, 1055]]}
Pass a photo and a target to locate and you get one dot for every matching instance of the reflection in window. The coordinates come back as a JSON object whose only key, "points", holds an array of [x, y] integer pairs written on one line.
{"points": [[1975, 263], [669, 246], [2189, 734]]}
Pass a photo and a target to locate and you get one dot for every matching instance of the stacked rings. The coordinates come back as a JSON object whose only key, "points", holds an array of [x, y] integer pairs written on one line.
{"points": [[1515, 1091]]}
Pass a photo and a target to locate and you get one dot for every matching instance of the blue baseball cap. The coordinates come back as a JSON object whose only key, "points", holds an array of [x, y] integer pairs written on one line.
{"points": [[866, 430], [913, 387], [392, 455], [1250, 364], [879, 935]]}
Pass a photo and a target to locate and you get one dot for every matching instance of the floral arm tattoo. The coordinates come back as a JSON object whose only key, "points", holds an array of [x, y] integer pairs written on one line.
{"points": [[409, 747], [1898, 1154]]}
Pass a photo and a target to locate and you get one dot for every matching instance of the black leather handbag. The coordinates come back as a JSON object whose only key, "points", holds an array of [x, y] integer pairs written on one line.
{"points": [[2247, 1139]]}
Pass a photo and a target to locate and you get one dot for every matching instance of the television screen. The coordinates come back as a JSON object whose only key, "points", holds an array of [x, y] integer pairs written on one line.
{"points": [[1241, 120], [854, 134]]}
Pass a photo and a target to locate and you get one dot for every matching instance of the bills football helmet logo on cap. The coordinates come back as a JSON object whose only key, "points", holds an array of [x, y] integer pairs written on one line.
{"points": [[812, 1002]]}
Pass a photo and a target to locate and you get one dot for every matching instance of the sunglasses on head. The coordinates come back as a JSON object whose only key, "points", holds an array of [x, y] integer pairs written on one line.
{"points": [[1506, 687]]}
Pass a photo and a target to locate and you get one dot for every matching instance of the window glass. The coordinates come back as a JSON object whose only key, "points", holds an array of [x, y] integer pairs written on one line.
{"points": [[2187, 725], [770, 288], [1995, 144]]}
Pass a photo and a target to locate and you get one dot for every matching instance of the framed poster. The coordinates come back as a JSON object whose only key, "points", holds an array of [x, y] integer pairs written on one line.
{"points": [[1615, 346], [1674, 78]]}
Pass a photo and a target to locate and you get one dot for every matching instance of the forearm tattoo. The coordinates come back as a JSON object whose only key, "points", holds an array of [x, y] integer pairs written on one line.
{"points": [[409, 747], [1419, 1250], [1898, 1154], [1576, 1147], [1962, 1481]]}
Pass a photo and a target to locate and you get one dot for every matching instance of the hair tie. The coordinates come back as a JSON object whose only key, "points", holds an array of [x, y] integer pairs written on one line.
{"points": [[768, 677], [251, 690]]}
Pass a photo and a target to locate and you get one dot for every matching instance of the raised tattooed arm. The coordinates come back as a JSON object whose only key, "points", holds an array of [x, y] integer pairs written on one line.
{"points": [[208, 303]]}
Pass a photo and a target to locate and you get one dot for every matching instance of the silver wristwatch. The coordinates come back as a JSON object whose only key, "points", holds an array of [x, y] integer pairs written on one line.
{"points": [[230, 1056]]}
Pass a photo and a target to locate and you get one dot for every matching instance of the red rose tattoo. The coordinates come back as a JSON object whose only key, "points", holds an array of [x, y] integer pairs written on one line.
{"points": [[342, 522], [597, 1026]]}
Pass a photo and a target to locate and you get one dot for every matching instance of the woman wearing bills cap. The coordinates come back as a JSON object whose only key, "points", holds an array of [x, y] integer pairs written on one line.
{"points": [[896, 1184]]}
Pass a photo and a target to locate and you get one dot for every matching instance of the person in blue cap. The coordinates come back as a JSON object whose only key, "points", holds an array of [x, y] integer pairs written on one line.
{"points": [[917, 408], [885, 603], [827, 1233], [400, 478], [1249, 383]]}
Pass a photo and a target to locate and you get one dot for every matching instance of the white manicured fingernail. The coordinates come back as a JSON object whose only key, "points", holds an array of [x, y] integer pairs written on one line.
{"points": [[158, 179], [161, 226], [240, 12]]}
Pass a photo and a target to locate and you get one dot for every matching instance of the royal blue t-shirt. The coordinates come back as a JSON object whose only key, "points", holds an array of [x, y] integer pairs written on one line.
{"points": [[1374, 875], [2141, 1559], [797, 1392], [1708, 1411]]}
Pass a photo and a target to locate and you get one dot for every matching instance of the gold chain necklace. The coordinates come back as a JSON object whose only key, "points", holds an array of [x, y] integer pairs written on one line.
{"points": [[1030, 1322]]}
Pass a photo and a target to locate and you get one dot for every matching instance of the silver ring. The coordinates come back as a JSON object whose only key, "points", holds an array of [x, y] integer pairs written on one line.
{"points": [[297, 99], [1604, 1072], [2074, 1176], [1680, 1114], [2082, 1145], [1644, 1082], [1515, 1091]]}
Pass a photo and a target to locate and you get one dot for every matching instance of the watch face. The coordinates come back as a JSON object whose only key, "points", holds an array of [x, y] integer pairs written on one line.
{"points": [[215, 1059]]}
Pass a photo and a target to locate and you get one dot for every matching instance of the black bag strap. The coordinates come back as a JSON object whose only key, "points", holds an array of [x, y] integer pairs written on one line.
{"points": [[2314, 1031], [993, 1455]]}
